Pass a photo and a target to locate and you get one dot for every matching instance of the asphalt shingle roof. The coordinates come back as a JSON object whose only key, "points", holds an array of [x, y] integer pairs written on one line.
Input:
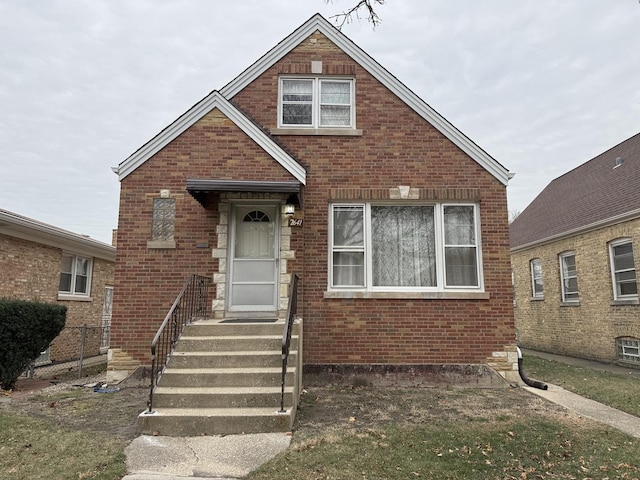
{"points": [[597, 191]]}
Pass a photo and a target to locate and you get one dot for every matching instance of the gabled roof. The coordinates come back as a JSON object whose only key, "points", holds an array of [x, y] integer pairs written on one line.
{"points": [[25, 228], [603, 191], [320, 24], [210, 102]]}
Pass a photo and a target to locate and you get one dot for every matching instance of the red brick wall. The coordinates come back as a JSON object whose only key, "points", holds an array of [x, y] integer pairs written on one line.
{"points": [[397, 147], [148, 280]]}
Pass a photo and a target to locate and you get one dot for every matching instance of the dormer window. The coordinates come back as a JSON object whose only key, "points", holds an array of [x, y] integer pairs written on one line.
{"points": [[316, 103]]}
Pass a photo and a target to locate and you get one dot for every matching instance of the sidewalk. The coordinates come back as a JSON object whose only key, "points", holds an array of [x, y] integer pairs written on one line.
{"points": [[622, 421]]}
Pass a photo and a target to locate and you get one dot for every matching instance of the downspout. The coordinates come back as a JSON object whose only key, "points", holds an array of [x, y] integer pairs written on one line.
{"points": [[527, 380]]}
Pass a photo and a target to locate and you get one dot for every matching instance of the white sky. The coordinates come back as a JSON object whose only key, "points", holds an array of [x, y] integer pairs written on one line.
{"points": [[541, 85]]}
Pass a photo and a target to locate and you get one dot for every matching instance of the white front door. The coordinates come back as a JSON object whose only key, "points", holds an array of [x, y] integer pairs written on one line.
{"points": [[254, 249]]}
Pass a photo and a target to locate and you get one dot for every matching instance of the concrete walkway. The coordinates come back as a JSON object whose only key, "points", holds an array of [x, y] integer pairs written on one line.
{"points": [[220, 458], [235, 456], [583, 406]]}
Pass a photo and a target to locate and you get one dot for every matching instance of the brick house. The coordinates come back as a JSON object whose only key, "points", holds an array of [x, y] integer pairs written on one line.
{"points": [[317, 161], [574, 252], [47, 264]]}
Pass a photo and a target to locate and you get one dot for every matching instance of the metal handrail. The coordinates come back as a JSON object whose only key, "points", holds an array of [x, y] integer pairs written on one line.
{"points": [[292, 312], [190, 304]]}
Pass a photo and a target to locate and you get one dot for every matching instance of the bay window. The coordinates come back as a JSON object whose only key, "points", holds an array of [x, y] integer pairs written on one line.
{"points": [[404, 247]]}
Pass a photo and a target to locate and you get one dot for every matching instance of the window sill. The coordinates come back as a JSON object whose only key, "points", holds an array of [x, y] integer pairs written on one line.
{"points": [[344, 132], [570, 304], [409, 295], [74, 298], [631, 301], [161, 244], [536, 299]]}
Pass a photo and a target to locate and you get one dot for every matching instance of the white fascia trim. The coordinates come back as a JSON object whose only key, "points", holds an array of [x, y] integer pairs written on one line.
{"points": [[25, 228], [608, 222], [319, 23], [199, 110]]}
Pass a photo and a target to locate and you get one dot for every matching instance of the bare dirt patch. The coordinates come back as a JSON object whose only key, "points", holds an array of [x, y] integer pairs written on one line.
{"points": [[75, 405], [323, 408], [326, 408]]}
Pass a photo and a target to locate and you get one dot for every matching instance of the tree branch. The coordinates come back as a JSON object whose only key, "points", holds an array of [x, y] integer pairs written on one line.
{"points": [[347, 16]]}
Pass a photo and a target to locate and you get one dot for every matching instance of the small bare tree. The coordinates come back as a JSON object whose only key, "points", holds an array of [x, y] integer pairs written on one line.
{"points": [[347, 16]]}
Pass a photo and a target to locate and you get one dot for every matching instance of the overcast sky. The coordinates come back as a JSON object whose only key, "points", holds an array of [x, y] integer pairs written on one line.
{"points": [[541, 85]]}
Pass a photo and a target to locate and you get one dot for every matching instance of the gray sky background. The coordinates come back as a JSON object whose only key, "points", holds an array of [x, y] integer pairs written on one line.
{"points": [[541, 85]]}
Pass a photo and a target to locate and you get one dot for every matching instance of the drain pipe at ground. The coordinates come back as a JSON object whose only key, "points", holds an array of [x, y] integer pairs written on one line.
{"points": [[527, 380]]}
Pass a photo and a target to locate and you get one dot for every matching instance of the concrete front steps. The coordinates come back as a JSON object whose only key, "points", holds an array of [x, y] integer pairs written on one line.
{"points": [[225, 378]]}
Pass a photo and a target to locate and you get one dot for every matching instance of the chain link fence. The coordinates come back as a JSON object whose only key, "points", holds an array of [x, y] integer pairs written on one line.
{"points": [[76, 352]]}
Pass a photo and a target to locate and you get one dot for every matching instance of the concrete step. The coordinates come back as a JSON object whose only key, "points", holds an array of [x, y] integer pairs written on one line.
{"points": [[216, 327], [233, 359], [225, 377], [221, 397], [191, 422], [232, 343]]}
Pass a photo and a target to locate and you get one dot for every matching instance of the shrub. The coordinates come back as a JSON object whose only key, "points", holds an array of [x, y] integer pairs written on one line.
{"points": [[26, 329]]}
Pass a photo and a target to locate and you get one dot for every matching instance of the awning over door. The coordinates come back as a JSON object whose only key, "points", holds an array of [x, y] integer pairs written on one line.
{"points": [[200, 188]]}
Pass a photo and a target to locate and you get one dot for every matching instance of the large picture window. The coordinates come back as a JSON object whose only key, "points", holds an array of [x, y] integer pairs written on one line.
{"points": [[404, 247], [316, 103], [623, 270], [75, 275]]}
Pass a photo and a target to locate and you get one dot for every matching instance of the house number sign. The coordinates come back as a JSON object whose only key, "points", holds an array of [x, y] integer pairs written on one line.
{"points": [[295, 222]]}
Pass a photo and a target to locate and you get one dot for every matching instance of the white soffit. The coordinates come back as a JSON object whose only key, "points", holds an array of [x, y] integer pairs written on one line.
{"points": [[319, 23], [199, 110], [14, 225]]}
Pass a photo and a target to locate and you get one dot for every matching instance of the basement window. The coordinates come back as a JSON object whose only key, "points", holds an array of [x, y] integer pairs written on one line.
{"points": [[628, 349]]}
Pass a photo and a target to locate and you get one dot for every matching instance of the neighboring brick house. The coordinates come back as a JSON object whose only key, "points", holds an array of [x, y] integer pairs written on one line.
{"points": [[400, 231], [44, 263], [575, 252]]}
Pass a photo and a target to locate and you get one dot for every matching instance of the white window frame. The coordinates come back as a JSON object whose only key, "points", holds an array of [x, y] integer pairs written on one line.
{"points": [[315, 102], [534, 291], [628, 349], [565, 277], [74, 261], [616, 290], [439, 248]]}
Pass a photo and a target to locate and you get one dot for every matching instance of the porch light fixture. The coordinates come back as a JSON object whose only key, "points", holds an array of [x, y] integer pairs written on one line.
{"points": [[289, 209], [290, 205]]}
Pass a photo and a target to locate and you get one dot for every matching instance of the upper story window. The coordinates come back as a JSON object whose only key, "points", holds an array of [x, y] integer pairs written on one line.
{"points": [[623, 271], [537, 287], [75, 275], [569, 277], [316, 103], [404, 247]]}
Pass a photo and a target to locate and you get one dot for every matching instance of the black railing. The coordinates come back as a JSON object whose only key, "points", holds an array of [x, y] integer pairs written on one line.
{"points": [[191, 304], [292, 312]]}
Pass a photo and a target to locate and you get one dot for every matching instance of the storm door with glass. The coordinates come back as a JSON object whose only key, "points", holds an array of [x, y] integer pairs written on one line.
{"points": [[254, 248]]}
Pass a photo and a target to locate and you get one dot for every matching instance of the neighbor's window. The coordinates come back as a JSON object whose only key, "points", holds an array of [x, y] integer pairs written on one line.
{"points": [[316, 103], [401, 247], [537, 288], [569, 277], [164, 218], [628, 349], [75, 275], [623, 271]]}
